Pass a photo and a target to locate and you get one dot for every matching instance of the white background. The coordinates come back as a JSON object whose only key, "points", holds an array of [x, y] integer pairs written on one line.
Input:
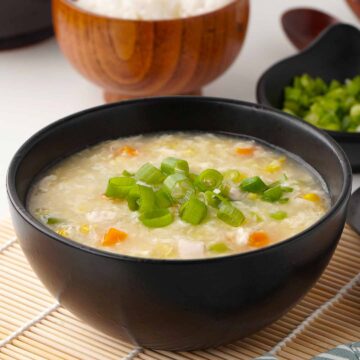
{"points": [[38, 86]]}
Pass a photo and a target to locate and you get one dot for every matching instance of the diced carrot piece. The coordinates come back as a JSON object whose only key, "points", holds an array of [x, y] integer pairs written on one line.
{"points": [[259, 239], [113, 236], [246, 151], [126, 151]]}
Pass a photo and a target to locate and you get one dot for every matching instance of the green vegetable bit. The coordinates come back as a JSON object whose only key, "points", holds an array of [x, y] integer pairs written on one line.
{"points": [[141, 198], [334, 106], [219, 248], [172, 165], [209, 179], [119, 187], [149, 174], [231, 215], [279, 215], [273, 194], [53, 221], [253, 185], [193, 211], [156, 218]]}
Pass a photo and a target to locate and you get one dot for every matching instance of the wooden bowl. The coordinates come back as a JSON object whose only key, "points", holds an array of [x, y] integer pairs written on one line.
{"points": [[355, 6], [138, 58]]}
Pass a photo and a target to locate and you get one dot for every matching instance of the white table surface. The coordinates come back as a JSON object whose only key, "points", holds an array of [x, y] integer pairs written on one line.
{"points": [[38, 86]]}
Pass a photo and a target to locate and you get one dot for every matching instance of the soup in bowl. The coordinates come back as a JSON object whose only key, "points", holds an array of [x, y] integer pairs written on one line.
{"points": [[96, 238], [138, 196]]}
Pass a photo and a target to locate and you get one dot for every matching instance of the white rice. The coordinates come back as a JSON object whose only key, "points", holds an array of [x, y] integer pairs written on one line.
{"points": [[150, 9]]}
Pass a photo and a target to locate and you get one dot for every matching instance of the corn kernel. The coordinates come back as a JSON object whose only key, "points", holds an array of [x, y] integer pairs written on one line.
{"points": [[85, 229], [282, 159], [62, 232], [274, 166], [311, 197], [253, 196]]}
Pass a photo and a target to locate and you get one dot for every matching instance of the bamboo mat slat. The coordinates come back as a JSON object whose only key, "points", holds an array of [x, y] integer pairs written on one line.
{"points": [[34, 326]]}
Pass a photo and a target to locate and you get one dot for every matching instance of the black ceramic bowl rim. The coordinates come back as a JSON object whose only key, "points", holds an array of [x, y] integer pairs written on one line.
{"points": [[27, 146], [261, 94]]}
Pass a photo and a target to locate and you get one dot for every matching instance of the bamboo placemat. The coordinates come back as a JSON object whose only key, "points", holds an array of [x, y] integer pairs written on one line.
{"points": [[34, 326]]}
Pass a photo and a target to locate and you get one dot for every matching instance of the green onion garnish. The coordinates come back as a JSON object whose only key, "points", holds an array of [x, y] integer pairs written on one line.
{"points": [[284, 200], [233, 175], [273, 194], [119, 187], [209, 179], [127, 173], [141, 198], [219, 248], [163, 198], [193, 211], [212, 199], [149, 174], [172, 165], [53, 221], [279, 215], [179, 186], [253, 185], [133, 198], [156, 218], [230, 214], [174, 185]]}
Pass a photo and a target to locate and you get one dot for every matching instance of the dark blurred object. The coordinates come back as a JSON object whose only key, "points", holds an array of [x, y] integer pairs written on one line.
{"points": [[353, 218], [303, 25], [355, 6], [23, 22]]}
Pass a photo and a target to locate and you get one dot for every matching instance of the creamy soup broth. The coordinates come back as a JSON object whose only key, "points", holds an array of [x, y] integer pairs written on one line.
{"points": [[70, 198]]}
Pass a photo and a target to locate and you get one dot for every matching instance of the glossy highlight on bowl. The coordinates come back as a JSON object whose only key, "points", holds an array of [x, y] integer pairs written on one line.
{"points": [[179, 304]]}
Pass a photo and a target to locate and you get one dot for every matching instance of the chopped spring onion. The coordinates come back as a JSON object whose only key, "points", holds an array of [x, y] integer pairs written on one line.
{"points": [[230, 214], [119, 187], [156, 218], [279, 215], [219, 248], [53, 221], [141, 198], [287, 189], [163, 198], [172, 165], [149, 174], [127, 173], [193, 211], [233, 175], [212, 199], [209, 179], [273, 194], [179, 186], [253, 185]]}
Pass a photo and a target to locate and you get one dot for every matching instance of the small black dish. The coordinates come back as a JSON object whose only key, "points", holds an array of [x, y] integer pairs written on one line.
{"points": [[23, 22], [334, 55], [179, 304]]}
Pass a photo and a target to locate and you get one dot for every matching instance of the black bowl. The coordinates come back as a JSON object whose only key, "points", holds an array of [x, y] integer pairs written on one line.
{"points": [[179, 304], [334, 55], [23, 22]]}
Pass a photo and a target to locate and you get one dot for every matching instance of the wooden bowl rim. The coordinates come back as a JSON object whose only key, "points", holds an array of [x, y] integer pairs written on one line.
{"points": [[71, 4]]}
